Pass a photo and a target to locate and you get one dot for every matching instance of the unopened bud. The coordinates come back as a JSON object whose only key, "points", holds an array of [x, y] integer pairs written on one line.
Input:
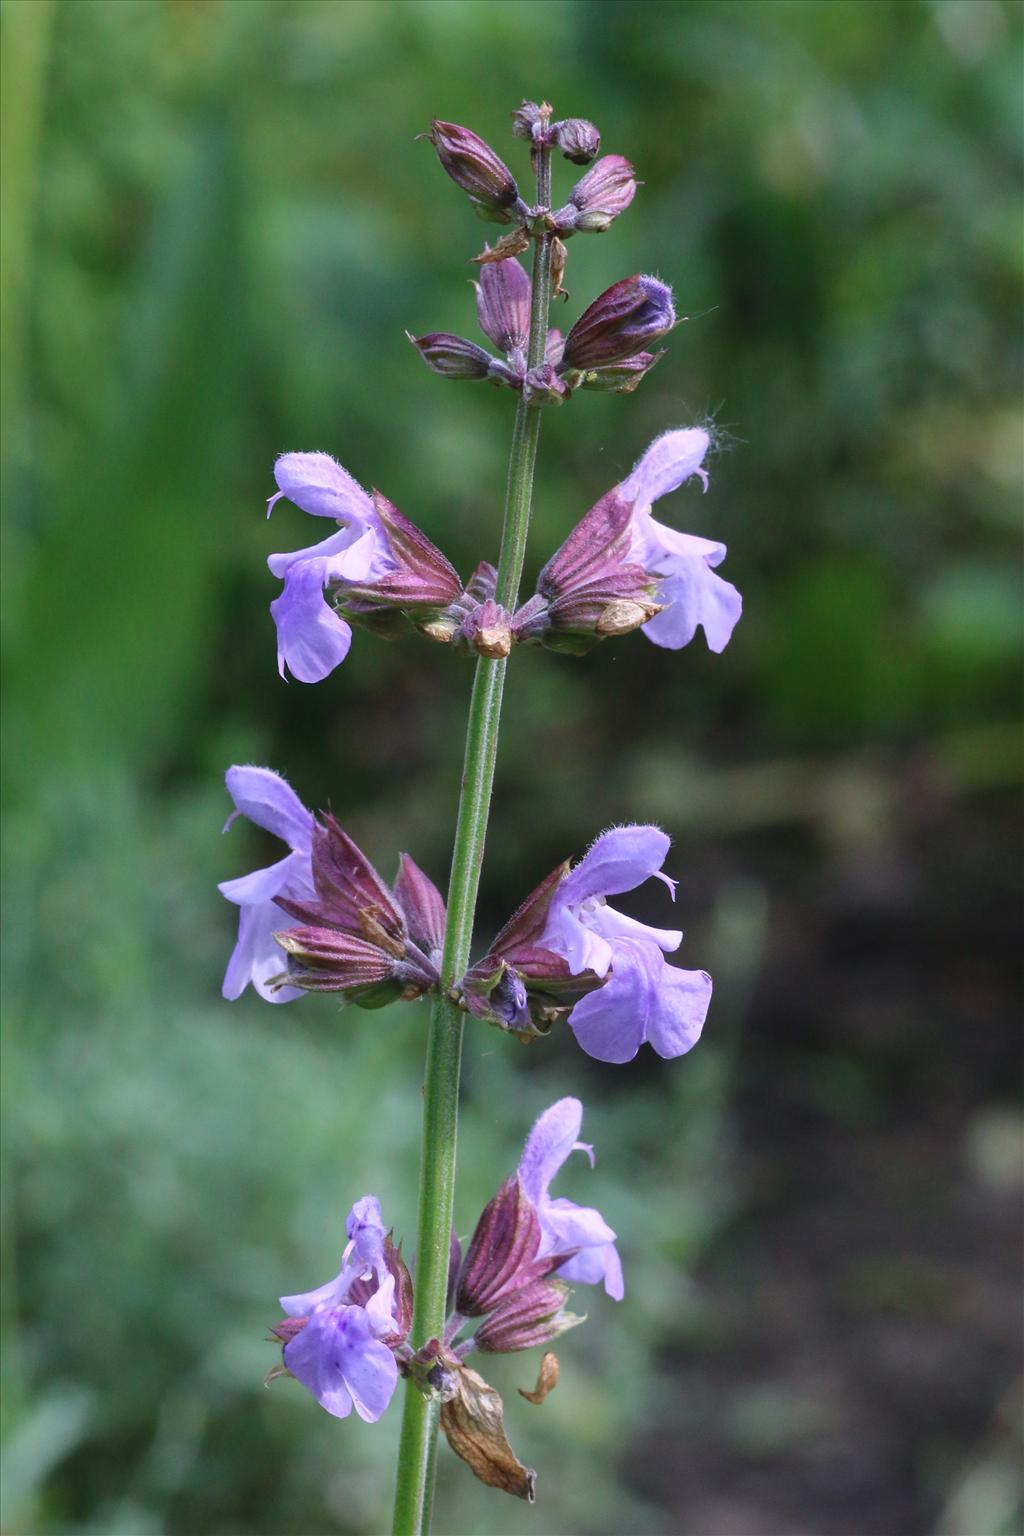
{"points": [[503, 305], [619, 323], [525, 119], [453, 357], [578, 140], [472, 164], [528, 1318], [600, 196]]}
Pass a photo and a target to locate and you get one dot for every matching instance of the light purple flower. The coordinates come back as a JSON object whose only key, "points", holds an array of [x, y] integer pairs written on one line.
{"points": [[311, 638], [643, 998], [264, 798], [564, 1225], [338, 1350], [692, 592]]}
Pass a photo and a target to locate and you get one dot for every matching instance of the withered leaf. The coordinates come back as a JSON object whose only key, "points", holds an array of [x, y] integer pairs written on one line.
{"points": [[474, 1424], [512, 244], [547, 1380]]}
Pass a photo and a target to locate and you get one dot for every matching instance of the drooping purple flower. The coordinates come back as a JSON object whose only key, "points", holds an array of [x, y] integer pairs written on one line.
{"points": [[264, 798], [322, 919], [312, 639], [643, 997], [689, 589], [339, 1339], [380, 570], [566, 1226]]}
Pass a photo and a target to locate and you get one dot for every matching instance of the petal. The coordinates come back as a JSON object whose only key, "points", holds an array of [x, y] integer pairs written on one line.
{"points": [[548, 1145], [594, 1266], [366, 1231], [567, 1225], [318, 484], [257, 957], [694, 595], [311, 638], [266, 799], [611, 1024], [263, 885], [371, 1373], [307, 1357], [621, 859], [671, 459], [679, 1009], [583, 948], [351, 554], [380, 1308], [337, 1358], [333, 1292], [614, 925]]}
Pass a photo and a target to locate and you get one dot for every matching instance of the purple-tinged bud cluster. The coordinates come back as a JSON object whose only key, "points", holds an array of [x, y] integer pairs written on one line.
{"points": [[605, 349], [566, 936], [351, 933]]}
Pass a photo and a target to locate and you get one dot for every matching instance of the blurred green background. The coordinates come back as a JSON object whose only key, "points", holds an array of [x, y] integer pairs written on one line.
{"points": [[217, 224]]}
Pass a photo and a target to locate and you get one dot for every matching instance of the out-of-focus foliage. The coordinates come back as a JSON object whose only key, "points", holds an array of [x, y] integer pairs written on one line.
{"points": [[217, 224]]}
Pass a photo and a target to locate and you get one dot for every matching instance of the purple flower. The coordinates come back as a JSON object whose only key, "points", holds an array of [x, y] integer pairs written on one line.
{"points": [[643, 997], [265, 798], [564, 1225], [689, 589], [311, 638], [338, 1339]]}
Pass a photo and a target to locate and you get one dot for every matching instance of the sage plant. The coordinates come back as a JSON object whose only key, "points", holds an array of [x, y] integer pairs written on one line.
{"points": [[322, 919]]}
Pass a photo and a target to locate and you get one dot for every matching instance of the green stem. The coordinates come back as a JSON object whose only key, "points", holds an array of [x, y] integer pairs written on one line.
{"points": [[416, 1457]]}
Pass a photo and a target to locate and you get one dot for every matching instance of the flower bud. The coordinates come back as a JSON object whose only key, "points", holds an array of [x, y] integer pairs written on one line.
{"points": [[600, 196], [323, 960], [578, 140], [529, 1317], [503, 305], [525, 119], [622, 377], [472, 164], [619, 323], [453, 357]]}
